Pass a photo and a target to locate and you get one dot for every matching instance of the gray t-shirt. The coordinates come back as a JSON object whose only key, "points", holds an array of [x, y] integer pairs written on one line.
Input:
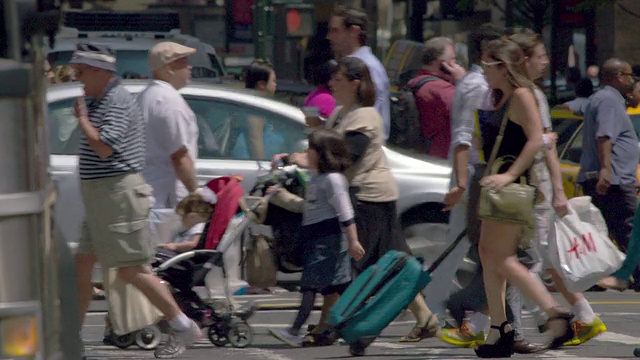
{"points": [[327, 197], [606, 116]]}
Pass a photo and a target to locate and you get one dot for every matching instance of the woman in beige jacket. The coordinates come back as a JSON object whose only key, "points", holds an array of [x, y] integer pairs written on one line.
{"points": [[373, 188]]}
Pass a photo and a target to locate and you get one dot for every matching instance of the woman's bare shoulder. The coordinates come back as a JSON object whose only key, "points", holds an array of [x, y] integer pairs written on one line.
{"points": [[523, 94]]}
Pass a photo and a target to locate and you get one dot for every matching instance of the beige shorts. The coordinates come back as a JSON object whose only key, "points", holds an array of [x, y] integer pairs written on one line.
{"points": [[116, 227]]}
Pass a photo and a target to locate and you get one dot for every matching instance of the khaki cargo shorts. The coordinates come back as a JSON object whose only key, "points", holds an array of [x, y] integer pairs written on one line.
{"points": [[116, 225]]}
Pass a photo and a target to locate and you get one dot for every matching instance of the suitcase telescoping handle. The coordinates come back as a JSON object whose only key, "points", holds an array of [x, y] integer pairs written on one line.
{"points": [[446, 252]]}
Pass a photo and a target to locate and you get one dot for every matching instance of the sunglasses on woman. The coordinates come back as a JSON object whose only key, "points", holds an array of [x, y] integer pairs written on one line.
{"points": [[485, 65]]}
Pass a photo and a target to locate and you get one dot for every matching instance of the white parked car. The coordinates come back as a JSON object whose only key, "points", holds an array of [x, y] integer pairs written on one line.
{"points": [[222, 118]]}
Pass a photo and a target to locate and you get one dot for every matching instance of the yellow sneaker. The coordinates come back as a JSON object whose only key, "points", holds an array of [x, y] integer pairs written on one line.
{"points": [[585, 332], [463, 337]]}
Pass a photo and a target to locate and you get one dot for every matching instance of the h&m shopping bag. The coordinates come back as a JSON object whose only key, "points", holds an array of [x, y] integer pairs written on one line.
{"points": [[129, 309], [580, 248]]}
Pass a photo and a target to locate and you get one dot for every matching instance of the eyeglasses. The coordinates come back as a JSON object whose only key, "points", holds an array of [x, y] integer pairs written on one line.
{"points": [[485, 64], [629, 74]]}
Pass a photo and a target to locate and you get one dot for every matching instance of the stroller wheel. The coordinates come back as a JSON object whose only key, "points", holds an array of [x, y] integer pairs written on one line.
{"points": [[123, 341], [148, 338], [240, 334], [215, 338]]}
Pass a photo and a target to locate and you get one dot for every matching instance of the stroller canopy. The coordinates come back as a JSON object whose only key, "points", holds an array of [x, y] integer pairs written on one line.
{"points": [[229, 192]]}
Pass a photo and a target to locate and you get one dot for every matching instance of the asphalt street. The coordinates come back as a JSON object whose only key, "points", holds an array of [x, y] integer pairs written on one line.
{"points": [[619, 311]]}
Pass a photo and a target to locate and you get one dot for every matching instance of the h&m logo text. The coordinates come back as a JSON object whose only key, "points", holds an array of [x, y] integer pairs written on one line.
{"points": [[583, 247]]}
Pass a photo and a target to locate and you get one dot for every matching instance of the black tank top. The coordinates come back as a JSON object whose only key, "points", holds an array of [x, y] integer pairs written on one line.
{"points": [[512, 142]]}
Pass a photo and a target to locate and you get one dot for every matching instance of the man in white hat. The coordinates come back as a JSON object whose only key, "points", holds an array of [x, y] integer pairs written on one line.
{"points": [[172, 128]]}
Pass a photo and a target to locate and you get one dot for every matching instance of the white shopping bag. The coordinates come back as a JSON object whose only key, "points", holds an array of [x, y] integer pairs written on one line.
{"points": [[580, 248], [129, 309]]}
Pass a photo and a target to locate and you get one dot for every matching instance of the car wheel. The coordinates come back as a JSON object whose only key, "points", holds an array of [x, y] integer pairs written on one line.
{"points": [[425, 230]]}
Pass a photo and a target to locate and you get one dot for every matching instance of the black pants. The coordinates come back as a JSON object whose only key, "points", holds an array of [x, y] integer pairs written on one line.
{"points": [[617, 206]]}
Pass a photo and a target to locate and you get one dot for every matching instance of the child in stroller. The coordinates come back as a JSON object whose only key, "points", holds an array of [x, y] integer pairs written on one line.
{"points": [[184, 263]]}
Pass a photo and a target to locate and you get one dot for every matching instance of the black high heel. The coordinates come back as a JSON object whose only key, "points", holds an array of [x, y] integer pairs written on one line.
{"points": [[568, 334], [503, 348]]}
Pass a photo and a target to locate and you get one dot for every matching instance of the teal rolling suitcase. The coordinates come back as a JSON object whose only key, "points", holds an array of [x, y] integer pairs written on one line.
{"points": [[378, 295]]}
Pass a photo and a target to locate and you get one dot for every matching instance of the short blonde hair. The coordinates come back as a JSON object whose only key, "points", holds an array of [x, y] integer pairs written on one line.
{"points": [[63, 73]]}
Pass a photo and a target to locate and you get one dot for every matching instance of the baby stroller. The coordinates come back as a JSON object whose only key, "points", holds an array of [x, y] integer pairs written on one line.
{"points": [[182, 272], [284, 220]]}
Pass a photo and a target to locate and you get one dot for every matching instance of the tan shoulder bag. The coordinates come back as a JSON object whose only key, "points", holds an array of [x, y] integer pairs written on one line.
{"points": [[512, 204]]}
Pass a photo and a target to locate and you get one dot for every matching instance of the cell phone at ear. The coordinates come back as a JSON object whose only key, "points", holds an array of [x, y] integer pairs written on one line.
{"points": [[444, 70]]}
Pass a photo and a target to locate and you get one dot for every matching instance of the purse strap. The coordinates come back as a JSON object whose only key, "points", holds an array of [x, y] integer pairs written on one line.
{"points": [[496, 145]]}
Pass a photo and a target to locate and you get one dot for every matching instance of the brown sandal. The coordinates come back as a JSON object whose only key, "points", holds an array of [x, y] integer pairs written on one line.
{"points": [[418, 333]]}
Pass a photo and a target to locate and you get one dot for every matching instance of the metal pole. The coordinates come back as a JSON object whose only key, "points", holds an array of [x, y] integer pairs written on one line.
{"points": [[416, 20], [29, 267], [14, 43], [508, 14]]}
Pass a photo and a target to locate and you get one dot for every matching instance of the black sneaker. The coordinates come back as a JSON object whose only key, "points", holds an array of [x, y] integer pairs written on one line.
{"points": [[106, 341], [596, 288], [541, 329]]}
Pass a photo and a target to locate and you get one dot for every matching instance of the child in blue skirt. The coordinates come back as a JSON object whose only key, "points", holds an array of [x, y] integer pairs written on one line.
{"points": [[329, 229]]}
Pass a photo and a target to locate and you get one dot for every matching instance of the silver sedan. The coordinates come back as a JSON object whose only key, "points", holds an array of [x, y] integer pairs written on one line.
{"points": [[224, 149]]}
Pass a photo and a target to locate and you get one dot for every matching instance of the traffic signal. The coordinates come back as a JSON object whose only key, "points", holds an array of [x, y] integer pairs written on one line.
{"points": [[300, 20]]}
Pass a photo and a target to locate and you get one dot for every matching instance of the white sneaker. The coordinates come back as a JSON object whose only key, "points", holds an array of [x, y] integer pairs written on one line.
{"points": [[173, 348], [190, 335], [286, 337]]}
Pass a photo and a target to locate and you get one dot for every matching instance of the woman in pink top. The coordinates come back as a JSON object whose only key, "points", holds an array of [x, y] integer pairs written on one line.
{"points": [[321, 97]]}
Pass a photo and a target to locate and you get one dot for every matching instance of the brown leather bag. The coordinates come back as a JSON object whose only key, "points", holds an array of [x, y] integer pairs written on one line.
{"points": [[261, 263]]}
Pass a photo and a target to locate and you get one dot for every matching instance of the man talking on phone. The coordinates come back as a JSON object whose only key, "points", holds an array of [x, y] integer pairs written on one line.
{"points": [[434, 97]]}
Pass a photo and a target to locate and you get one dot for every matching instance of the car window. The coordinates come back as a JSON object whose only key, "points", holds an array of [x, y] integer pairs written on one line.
{"points": [[231, 130], [565, 128], [215, 63], [64, 134], [227, 130], [574, 150], [131, 63]]}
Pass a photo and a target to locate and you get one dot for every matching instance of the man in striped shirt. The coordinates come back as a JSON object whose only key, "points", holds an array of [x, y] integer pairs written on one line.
{"points": [[114, 193]]}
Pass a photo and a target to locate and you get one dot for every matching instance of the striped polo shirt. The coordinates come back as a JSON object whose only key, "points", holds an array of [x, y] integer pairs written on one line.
{"points": [[118, 119]]}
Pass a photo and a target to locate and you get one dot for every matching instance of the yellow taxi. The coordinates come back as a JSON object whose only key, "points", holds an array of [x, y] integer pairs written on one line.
{"points": [[569, 126]]}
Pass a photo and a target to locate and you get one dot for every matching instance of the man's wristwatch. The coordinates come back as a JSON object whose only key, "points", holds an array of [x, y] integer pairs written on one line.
{"points": [[461, 187]]}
